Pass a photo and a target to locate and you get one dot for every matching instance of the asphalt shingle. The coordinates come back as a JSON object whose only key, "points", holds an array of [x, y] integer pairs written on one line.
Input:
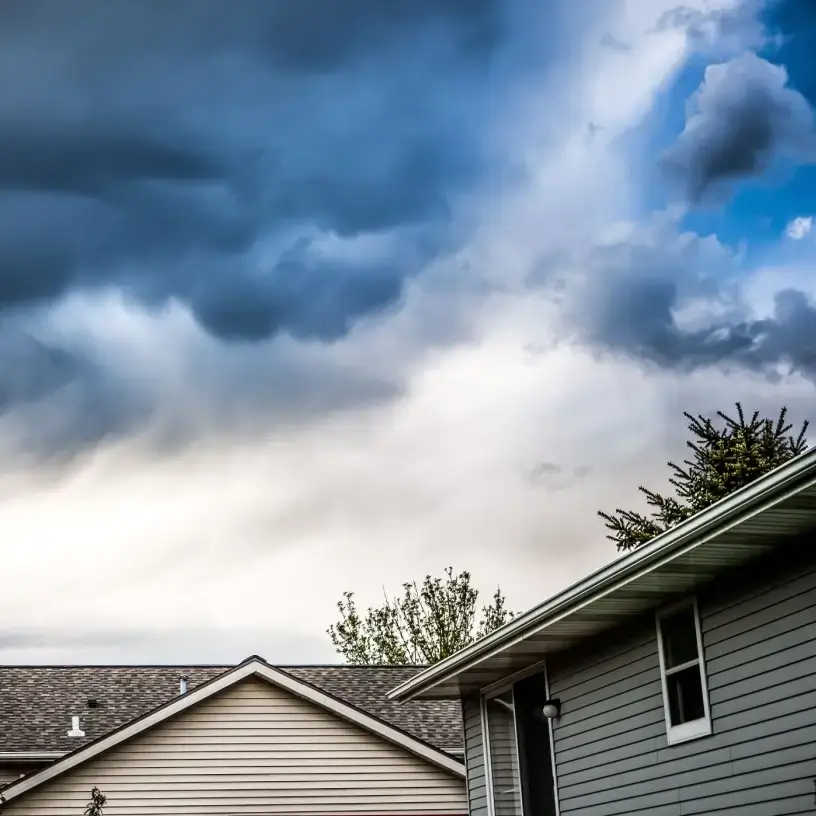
{"points": [[37, 702]]}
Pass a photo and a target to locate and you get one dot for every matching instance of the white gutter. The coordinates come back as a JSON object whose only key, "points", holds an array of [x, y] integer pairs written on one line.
{"points": [[703, 523], [30, 756]]}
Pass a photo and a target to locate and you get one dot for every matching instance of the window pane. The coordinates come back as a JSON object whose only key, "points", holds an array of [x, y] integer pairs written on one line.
{"points": [[679, 637], [504, 764], [685, 695]]}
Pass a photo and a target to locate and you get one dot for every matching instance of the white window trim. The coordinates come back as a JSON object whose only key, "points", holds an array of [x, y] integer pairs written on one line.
{"points": [[695, 729], [484, 697]]}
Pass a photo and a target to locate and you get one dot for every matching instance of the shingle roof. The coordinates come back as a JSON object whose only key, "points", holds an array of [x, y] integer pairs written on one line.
{"points": [[37, 702]]}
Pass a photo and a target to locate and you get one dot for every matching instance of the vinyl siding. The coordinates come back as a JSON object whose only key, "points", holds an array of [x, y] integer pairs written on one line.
{"points": [[10, 771], [759, 642], [475, 757], [252, 749], [8, 774]]}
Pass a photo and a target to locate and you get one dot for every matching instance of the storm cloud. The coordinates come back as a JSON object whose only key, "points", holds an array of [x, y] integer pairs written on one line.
{"points": [[176, 152], [742, 117], [674, 300], [275, 169], [56, 399], [279, 173], [641, 322], [62, 391]]}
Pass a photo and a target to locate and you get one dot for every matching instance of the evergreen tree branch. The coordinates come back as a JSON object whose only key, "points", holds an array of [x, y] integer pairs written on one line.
{"points": [[722, 460]]}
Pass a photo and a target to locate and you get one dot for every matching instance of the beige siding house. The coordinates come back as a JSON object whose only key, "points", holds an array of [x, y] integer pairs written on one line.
{"points": [[254, 741]]}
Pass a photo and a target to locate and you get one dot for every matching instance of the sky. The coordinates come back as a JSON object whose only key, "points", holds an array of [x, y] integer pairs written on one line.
{"points": [[299, 297]]}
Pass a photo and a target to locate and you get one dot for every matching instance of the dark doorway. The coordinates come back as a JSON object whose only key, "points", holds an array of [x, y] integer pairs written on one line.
{"points": [[535, 747]]}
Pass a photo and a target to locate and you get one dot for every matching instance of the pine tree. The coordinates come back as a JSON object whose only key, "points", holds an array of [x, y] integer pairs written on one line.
{"points": [[722, 460]]}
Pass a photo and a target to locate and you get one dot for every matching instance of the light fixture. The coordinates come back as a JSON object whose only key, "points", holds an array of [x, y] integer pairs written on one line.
{"points": [[551, 709]]}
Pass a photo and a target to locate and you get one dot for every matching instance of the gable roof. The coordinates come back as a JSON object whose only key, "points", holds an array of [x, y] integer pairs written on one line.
{"points": [[251, 667], [741, 527], [37, 702]]}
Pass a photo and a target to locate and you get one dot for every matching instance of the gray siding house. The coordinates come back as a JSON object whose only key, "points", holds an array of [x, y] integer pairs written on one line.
{"points": [[681, 679]]}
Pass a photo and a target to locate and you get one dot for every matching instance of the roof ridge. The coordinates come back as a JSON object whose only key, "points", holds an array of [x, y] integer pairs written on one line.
{"points": [[253, 666]]}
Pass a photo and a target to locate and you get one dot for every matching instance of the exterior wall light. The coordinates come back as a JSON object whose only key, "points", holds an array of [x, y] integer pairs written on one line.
{"points": [[551, 709]]}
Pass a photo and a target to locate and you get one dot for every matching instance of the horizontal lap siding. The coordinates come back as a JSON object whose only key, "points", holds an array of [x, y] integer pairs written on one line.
{"points": [[611, 751], [8, 774], [475, 757], [12, 771], [253, 749]]}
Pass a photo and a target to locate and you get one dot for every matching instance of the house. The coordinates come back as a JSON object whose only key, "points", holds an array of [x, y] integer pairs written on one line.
{"points": [[248, 739], [680, 679]]}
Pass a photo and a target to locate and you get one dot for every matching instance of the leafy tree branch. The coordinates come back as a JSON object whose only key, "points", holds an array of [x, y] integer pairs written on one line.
{"points": [[426, 624]]}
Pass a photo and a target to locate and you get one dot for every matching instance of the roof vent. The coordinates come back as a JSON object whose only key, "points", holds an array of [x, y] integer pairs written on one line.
{"points": [[75, 729], [92, 703], [183, 684]]}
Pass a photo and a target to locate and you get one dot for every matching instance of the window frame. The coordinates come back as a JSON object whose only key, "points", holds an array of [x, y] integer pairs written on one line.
{"points": [[694, 729], [496, 691]]}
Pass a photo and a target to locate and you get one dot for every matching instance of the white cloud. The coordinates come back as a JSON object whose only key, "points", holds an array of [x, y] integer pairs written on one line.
{"points": [[250, 535], [254, 540], [799, 227]]}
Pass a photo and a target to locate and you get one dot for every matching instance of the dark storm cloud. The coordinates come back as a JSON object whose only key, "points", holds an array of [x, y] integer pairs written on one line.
{"points": [[31, 370], [57, 400], [320, 297], [632, 300], [155, 147], [297, 35], [786, 338], [277, 168], [742, 117]]}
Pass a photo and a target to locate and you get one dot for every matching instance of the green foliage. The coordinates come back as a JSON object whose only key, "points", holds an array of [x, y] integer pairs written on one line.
{"points": [[425, 625], [723, 460], [98, 801]]}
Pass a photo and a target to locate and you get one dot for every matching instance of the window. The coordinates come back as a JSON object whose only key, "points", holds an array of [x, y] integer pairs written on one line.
{"points": [[499, 717], [685, 696]]}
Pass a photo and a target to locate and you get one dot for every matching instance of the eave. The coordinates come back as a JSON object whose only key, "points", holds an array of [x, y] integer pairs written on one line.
{"points": [[739, 528]]}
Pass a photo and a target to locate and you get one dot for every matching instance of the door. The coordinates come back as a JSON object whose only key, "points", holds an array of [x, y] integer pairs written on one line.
{"points": [[535, 747]]}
